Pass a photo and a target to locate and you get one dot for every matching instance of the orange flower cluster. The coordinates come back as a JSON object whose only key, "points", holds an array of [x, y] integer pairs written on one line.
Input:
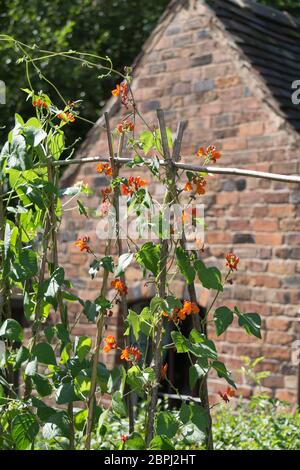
{"points": [[39, 103], [232, 261], [131, 354], [210, 153], [180, 314], [66, 117], [120, 286], [197, 184], [104, 168], [82, 243], [122, 90], [227, 395], [125, 126], [133, 184], [124, 438], [110, 343]]}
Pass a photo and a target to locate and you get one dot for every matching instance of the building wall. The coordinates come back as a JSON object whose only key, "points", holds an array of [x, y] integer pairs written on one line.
{"points": [[192, 70]]}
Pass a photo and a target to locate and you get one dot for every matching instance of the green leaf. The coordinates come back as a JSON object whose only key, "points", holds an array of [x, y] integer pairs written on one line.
{"points": [[21, 356], [124, 262], [251, 322], [33, 135], [31, 368], [44, 354], [106, 262], [80, 419], [83, 346], [83, 383], [42, 385], [196, 372], [103, 376], [210, 278], [185, 413], [118, 405], [200, 346], [50, 287], [81, 208], [136, 380], [91, 310], [57, 425], [15, 153], [43, 411], [200, 418], [223, 372], [166, 424], [161, 443], [56, 144], [11, 330], [192, 435], [149, 257], [135, 442], [180, 342], [133, 319], [223, 318], [147, 140], [62, 333], [65, 394], [28, 264], [184, 264], [146, 321], [49, 333], [24, 430]]}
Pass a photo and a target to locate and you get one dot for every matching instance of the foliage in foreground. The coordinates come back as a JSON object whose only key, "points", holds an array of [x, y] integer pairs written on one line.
{"points": [[258, 424], [261, 424]]}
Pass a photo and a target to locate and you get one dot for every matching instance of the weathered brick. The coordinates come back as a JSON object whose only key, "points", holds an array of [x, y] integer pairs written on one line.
{"points": [[278, 337], [243, 238], [201, 60], [273, 239], [203, 85], [278, 323]]}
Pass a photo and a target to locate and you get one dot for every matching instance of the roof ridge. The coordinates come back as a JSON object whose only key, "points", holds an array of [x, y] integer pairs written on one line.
{"points": [[265, 11]]}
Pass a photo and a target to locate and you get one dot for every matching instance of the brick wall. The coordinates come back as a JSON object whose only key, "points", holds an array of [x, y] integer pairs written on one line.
{"points": [[191, 70]]}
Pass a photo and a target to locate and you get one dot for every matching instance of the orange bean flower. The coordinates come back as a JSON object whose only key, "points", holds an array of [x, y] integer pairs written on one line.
{"points": [[83, 244], [66, 117], [163, 371], [110, 343], [124, 438], [39, 103], [131, 354], [227, 395], [119, 286], [125, 126], [116, 91], [197, 184], [210, 153], [180, 314], [232, 261], [132, 185], [105, 193], [104, 168], [121, 90]]}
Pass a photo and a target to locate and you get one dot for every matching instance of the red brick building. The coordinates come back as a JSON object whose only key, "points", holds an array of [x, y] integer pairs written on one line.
{"points": [[227, 67]]}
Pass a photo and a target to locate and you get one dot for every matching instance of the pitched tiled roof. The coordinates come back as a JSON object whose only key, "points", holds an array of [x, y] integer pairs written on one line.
{"points": [[270, 40]]}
